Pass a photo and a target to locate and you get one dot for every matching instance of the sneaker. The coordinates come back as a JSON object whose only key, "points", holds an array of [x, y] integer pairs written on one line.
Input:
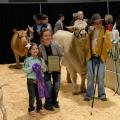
{"points": [[103, 99], [33, 113], [49, 108], [87, 99], [56, 106], [42, 112]]}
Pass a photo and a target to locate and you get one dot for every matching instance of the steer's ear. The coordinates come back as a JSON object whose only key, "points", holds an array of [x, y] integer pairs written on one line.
{"points": [[14, 30], [26, 30], [71, 28], [30, 28]]}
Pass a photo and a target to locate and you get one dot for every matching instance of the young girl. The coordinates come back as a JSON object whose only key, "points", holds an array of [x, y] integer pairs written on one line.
{"points": [[34, 67]]}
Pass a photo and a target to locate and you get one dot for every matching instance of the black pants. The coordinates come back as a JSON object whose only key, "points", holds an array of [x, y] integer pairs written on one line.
{"points": [[33, 92]]}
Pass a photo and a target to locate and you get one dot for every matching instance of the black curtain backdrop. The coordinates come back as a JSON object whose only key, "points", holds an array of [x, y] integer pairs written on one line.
{"points": [[20, 15], [13, 16]]}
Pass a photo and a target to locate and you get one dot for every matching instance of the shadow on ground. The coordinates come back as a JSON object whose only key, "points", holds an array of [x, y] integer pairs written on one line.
{"points": [[66, 90]]}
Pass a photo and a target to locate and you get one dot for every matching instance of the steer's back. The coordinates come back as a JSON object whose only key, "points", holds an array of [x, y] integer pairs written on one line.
{"points": [[63, 38], [73, 54]]}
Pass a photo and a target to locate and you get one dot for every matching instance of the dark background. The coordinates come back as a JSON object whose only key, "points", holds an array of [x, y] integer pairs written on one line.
{"points": [[20, 15], [27, 1]]}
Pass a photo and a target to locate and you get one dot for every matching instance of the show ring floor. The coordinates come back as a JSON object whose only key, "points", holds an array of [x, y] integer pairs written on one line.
{"points": [[71, 107]]}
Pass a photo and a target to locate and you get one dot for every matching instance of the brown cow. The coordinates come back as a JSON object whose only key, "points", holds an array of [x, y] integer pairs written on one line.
{"points": [[19, 41]]}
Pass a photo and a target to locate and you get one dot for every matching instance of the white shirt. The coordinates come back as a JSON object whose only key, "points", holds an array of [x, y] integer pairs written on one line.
{"points": [[95, 39]]}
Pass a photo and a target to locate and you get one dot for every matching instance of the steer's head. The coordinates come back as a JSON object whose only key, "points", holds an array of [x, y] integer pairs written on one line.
{"points": [[78, 32], [21, 36]]}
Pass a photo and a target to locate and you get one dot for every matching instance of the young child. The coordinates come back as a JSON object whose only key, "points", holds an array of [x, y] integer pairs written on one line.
{"points": [[34, 66], [97, 46]]}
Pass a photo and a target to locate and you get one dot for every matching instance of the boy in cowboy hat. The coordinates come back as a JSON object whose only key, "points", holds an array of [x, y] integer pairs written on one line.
{"points": [[97, 47]]}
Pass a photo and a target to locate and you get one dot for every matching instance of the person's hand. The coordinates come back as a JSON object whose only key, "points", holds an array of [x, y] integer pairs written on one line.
{"points": [[91, 29]]}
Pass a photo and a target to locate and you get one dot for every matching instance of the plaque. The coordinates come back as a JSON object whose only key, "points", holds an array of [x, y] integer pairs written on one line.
{"points": [[54, 63]]}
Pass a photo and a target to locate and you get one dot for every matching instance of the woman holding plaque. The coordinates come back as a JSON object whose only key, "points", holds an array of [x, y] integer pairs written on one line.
{"points": [[51, 53]]}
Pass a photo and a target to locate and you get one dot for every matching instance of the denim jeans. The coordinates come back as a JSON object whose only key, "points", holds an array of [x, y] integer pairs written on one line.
{"points": [[53, 87], [33, 92], [100, 79]]}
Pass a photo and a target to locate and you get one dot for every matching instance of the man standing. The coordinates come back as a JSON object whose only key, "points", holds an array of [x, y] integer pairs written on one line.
{"points": [[59, 23], [41, 22], [37, 28]]}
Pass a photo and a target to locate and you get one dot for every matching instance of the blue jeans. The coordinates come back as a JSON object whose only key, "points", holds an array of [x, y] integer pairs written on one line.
{"points": [[53, 87], [100, 80]]}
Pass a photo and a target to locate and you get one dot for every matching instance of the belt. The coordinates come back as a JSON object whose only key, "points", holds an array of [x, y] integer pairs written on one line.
{"points": [[95, 56]]}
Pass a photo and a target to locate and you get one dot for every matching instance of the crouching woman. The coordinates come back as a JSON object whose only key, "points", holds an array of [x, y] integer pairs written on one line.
{"points": [[49, 48]]}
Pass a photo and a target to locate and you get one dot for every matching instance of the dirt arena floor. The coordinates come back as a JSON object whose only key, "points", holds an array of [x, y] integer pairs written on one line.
{"points": [[71, 107]]}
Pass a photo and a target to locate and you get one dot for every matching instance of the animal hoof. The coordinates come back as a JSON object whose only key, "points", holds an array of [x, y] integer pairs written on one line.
{"points": [[77, 93], [68, 81], [83, 90], [18, 66], [15, 66]]}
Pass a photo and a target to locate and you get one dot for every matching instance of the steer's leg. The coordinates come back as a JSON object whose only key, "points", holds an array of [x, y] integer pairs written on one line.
{"points": [[18, 66], [82, 86], [68, 77], [17, 60], [73, 76], [75, 90]]}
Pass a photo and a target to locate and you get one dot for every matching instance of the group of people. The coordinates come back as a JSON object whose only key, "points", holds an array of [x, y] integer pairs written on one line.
{"points": [[40, 82], [42, 22], [44, 84], [97, 47]]}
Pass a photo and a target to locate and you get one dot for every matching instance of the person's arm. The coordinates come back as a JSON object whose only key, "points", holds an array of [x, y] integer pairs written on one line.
{"points": [[57, 27], [27, 68]]}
